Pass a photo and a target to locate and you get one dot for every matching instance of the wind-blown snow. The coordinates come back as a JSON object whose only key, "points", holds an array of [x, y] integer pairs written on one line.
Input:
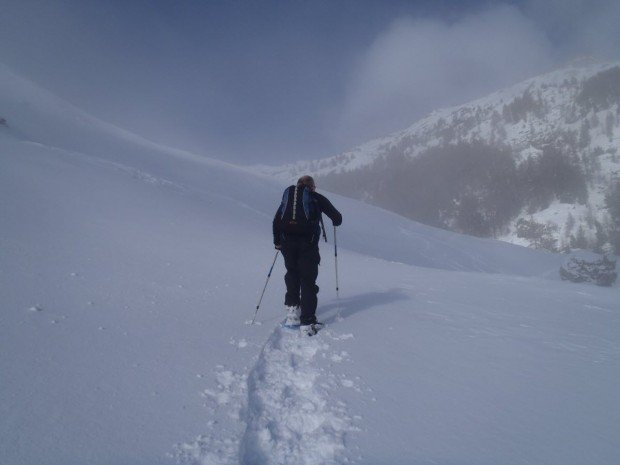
{"points": [[128, 272]]}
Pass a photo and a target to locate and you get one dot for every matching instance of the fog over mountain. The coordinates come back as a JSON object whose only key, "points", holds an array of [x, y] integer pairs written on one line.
{"points": [[535, 164], [276, 82]]}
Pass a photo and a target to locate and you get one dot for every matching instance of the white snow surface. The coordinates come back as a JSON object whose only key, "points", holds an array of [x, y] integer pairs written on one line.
{"points": [[129, 273]]}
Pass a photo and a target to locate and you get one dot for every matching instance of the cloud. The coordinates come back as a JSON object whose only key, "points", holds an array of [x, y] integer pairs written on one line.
{"points": [[416, 66], [579, 27], [236, 84]]}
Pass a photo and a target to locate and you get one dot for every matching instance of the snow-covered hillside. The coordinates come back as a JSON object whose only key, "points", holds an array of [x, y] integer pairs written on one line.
{"points": [[574, 111], [128, 272]]}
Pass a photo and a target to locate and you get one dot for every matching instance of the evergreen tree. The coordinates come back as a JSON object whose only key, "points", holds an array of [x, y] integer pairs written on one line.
{"points": [[612, 201], [610, 122], [584, 134], [570, 224], [579, 241]]}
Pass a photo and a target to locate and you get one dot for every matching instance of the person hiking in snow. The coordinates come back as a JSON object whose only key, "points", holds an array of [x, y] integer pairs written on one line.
{"points": [[296, 233]]}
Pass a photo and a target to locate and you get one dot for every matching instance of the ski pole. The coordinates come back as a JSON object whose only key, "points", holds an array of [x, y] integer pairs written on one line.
{"points": [[266, 282], [336, 261], [338, 317], [323, 227]]}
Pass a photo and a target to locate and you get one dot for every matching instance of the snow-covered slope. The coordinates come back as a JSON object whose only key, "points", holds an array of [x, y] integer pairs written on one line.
{"points": [[575, 110], [127, 276], [560, 87]]}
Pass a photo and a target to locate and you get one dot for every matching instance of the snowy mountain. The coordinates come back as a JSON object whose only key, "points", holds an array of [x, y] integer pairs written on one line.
{"points": [[129, 271], [536, 164]]}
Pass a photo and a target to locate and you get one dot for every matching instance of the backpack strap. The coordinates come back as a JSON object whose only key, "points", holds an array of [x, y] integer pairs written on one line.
{"points": [[295, 203]]}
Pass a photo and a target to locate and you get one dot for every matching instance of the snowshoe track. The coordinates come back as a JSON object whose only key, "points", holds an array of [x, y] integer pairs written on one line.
{"points": [[291, 416]]}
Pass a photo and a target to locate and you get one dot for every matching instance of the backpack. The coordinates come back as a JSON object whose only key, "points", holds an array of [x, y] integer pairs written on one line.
{"points": [[299, 212]]}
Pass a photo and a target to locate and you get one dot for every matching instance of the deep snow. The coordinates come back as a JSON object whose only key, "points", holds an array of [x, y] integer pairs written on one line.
{"points": [[129, 271]]}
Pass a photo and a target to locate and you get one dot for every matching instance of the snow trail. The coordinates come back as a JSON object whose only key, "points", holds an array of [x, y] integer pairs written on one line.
{"points": [[292, 416]]}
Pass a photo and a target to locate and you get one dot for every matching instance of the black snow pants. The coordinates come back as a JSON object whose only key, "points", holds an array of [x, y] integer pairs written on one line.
{"points": [[301, 259]]}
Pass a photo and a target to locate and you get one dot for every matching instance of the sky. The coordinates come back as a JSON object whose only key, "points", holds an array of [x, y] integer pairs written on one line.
{"points": [[272, 82]]}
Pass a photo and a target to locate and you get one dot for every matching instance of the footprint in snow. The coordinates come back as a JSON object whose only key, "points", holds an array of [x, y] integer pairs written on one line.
{"points": [[291, 414]]}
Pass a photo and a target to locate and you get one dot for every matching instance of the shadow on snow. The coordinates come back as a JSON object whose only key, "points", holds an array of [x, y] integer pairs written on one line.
{"points": [[359, 303]]}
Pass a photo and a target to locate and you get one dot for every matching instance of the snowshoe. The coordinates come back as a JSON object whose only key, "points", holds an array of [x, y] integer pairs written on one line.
{"points": [[310, 330]]}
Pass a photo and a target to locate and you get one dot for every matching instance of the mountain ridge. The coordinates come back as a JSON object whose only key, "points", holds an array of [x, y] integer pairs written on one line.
{"points": [[574, 111], [35, 119]]}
